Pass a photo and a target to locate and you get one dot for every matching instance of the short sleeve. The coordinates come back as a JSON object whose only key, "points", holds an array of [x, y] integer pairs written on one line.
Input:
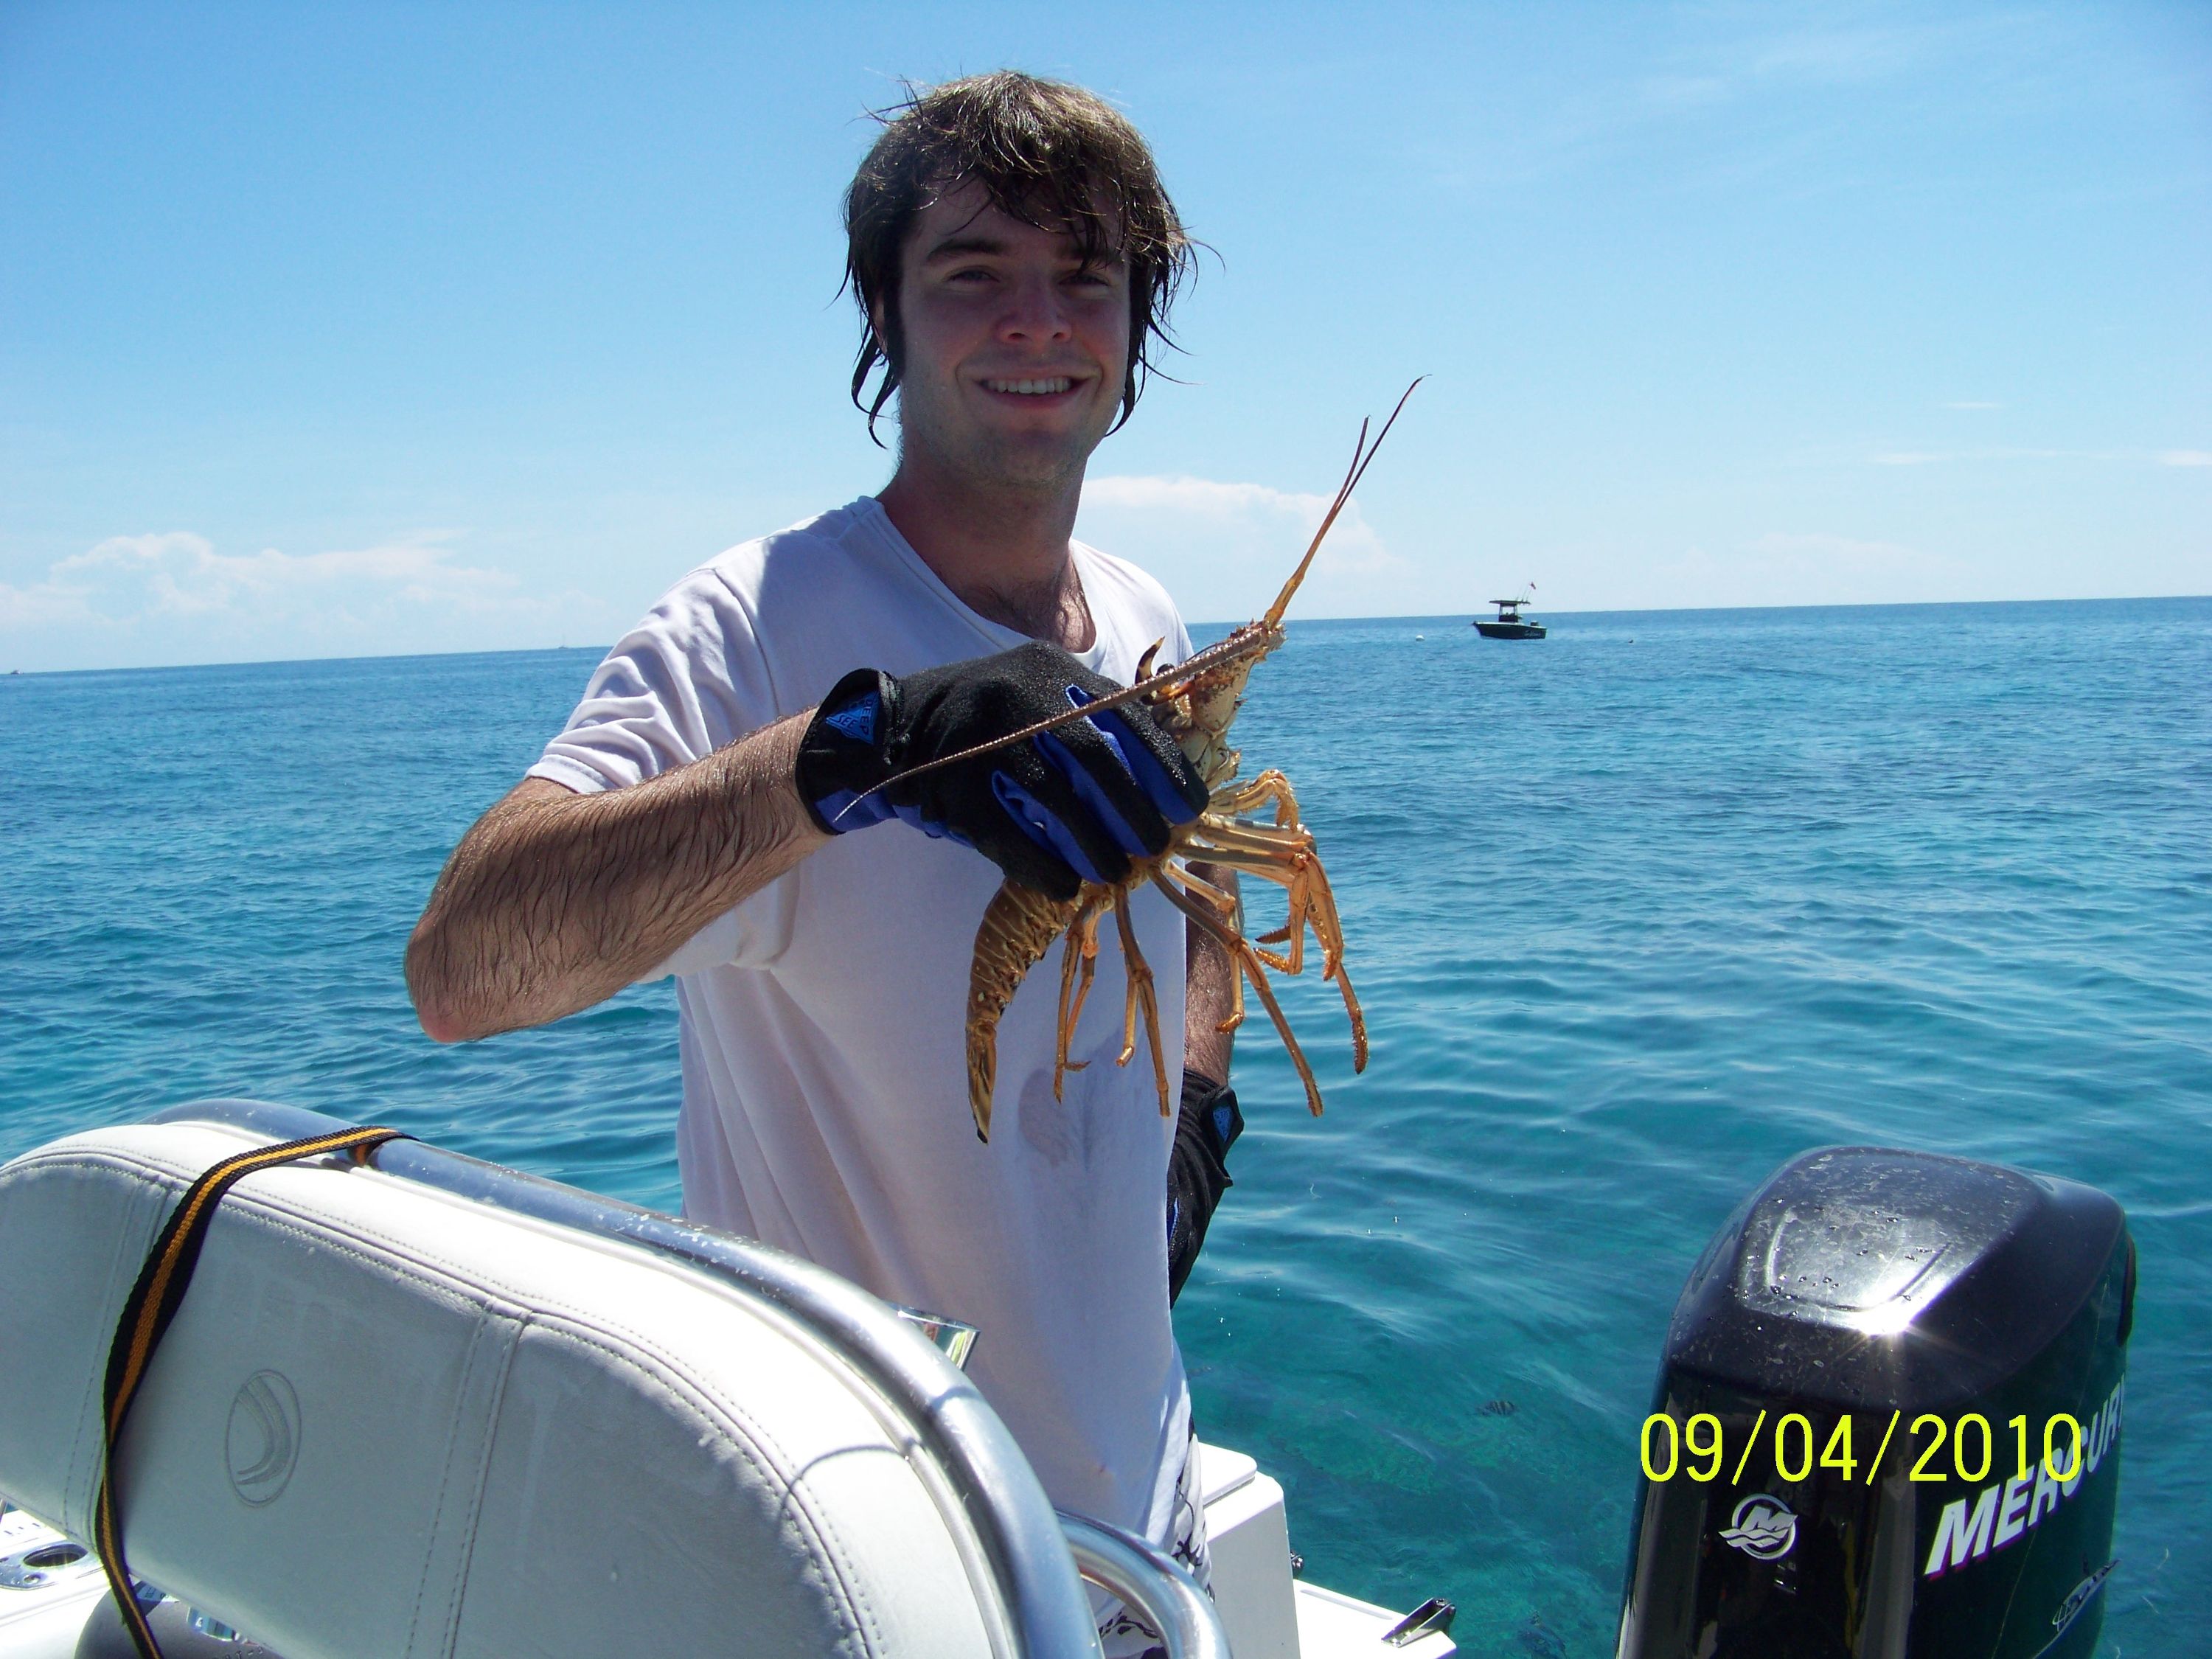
{"points": [[685, 681]]}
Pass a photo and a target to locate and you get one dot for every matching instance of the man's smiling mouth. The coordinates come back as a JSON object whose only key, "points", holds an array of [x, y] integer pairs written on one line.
{"points": [[1032, 388]]}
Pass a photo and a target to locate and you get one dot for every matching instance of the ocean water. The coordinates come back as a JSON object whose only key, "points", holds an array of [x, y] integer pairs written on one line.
{"points": [[1638, 914]]}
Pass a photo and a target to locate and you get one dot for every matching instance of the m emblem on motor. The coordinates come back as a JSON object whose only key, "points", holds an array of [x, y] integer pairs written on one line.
{"points": [[263, 1442], [1763, 1528]]}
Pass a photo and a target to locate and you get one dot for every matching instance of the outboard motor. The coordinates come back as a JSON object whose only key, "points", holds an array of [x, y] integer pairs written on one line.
{"points": [[1888, 1420]]}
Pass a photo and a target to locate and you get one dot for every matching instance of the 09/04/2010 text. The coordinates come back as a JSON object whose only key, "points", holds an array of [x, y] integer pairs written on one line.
{"points": [[1697, 1450]]}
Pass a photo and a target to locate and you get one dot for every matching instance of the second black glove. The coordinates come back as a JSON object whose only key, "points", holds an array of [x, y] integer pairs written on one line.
{"points": [[1198, 1169]]}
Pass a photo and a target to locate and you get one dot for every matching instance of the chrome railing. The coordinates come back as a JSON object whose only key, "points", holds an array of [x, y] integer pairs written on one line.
{"points": [[1152, 1581]]}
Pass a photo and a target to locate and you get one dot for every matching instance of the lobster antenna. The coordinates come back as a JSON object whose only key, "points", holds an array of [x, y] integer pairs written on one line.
{"points": [[1363, 453]]}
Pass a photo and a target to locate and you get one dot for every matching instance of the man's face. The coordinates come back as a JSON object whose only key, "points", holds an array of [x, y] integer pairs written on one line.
{"points": [[1015, 351]]}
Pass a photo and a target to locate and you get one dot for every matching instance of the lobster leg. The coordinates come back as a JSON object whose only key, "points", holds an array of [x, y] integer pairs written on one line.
{"points": [[1284, 866], [1141, 998], [1082, 950], [1322, 906], [1249, 963], [1226, 903], [1272, 865], [1292, 932], [1231, 836], [1278, 855], [1219, 898], [1270, 788], [1312, 903]]}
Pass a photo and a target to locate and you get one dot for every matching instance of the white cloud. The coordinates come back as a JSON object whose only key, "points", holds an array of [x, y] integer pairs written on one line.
{"points": [[2186, 457], [1225, 549], [1353, 544], [1930, 457], [1842, 55], [171, 597]]}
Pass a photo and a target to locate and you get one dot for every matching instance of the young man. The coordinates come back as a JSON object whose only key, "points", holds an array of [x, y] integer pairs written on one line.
{"points": [[709, 813]]}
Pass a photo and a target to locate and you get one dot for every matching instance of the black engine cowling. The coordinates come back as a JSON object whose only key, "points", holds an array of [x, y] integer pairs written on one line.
{"points": [[1867, 1317]]}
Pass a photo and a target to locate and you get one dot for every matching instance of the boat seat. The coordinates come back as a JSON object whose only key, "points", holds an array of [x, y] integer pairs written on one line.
{"points": [[431, 1408]]}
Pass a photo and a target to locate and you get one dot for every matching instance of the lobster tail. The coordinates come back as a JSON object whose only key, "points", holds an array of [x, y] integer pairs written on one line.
{"points": [[1018, 926]]}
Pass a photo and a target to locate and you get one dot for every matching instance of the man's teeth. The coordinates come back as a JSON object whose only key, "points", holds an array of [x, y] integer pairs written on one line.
{"points": [[1032, 388]]}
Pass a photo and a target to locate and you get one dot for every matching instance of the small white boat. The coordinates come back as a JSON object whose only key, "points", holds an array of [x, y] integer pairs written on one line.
{"points": [[422, 1404]]}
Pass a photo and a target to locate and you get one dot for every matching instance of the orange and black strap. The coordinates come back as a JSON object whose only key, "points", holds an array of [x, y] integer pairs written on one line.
{"points": [[153, 1303]]}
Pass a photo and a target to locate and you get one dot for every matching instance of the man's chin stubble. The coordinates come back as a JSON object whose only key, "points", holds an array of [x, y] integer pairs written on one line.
{"points": [[1012, 465]]}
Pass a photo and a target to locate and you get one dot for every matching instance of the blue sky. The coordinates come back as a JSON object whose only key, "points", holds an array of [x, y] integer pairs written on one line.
{"points": [[338, 331]]}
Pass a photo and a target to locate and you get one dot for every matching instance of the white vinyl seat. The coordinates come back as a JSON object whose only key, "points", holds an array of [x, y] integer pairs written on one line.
{"points": [[432, 1408]]}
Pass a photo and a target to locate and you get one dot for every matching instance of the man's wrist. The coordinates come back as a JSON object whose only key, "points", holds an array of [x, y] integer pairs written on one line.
{"points": [[781, 765]]}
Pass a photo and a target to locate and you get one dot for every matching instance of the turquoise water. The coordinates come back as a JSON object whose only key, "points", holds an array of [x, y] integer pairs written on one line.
{"points": [[1638, 913]]}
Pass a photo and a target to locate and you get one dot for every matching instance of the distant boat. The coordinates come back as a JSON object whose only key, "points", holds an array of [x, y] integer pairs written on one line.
{"points": [[1510, 625]]}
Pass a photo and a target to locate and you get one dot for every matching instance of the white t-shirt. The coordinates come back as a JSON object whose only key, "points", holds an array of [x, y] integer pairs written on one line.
{"points": [[825, 1106]]}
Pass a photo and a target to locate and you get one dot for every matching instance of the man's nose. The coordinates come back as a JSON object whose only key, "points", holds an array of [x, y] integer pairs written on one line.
{"points": [[1037, 312]]}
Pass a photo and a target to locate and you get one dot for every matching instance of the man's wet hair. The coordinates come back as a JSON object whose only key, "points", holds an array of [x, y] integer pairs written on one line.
{"points": [[1046, 153]]}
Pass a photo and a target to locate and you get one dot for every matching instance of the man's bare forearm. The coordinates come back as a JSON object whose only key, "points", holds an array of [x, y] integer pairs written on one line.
{"points": [[555, 900], [1208, 994]]}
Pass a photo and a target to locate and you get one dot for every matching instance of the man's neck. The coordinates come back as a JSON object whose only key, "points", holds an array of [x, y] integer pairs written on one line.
{"points": [[1002, 549]]}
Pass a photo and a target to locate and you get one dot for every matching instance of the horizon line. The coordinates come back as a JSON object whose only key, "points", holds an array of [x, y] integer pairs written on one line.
{"points": [[1408, 617]]}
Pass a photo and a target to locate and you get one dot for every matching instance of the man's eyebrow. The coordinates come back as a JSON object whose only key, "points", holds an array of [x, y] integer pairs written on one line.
{"points": [[957, 247], [960, 246]]}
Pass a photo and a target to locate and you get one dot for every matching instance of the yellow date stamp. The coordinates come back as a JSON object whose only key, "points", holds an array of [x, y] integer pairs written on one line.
{"points": [[1938, 1449]]}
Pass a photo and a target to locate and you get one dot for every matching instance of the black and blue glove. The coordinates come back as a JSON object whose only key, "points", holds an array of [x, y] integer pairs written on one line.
{"points": [[1073, 804]]}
